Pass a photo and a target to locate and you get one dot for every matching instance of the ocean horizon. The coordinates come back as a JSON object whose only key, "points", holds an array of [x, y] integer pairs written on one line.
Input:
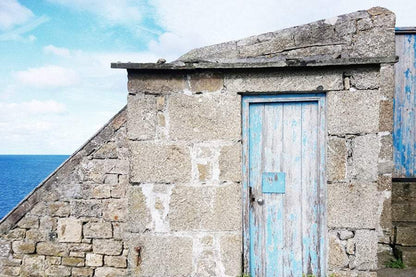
{"points": [[20, 174]]}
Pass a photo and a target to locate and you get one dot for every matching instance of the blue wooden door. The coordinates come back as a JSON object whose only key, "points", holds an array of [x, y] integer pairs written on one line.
{"points": [[284, 182], [404, 135]]}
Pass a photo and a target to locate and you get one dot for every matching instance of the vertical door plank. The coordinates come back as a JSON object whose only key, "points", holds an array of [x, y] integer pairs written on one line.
{"points": [[256, 215], [292, 167], [310, 189], [272, 153], [404, 136]]}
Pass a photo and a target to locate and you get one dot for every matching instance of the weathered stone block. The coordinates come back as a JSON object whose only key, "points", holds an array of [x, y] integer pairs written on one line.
{"points": [[115, 261], [338, 258], [106, 151], [60, 209], [108, 247], [82, 272], [28, 222], [353, 205], [9, 271], [387, 81], [98, 230], [336, 159], [231, 253], [92, 259], [81, 247], [4, 248], [69, 230], [352, 112], [23, 247], [58, 270], [156, 83], [115, 210], [404, 191], [142, 110], [365, 153], [205, 82], [406, 235], [36, 235], [345, 234], [230, 163], [10, 261], [204, 117], [138, 213], [33, 265], [365, 78], [109, 272], [407, 255], [86, 208], [174, 250], [153, 162], [52, 249], [384, 183], [15, 234], [365, 250], [189, 209], [284, 81], [73, 261], [49, 260], [386, 116], [101, 191], [404, 211]]}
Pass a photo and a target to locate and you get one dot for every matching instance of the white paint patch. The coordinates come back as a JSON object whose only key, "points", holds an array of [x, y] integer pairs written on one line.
{"points": [[332, 20], [158, 204]]}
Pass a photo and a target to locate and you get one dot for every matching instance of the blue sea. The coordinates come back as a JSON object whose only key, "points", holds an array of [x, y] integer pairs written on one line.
{"points": [[20, 174]]}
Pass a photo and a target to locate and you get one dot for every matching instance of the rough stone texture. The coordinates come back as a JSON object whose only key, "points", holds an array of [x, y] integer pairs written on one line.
{"points": [[189, 211], [230, 254], [276, 81], [338, 258], [33, 265], [139, 215], [142, 117], [206, 82], [336, 159], [352, 205], [92, 259], [108, 247], [98, 230], [69, 230], [174, 250], [407, 255], [22, 247], [365, 250], [204, 117], [156, 84], [365, 152], [230, 163], [153, 162], [352, 112], [405, 235], [109, 272], [318, 41]]}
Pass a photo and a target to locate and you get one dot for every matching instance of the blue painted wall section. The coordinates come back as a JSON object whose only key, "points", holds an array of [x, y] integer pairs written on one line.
{"points": [[404, 135]]}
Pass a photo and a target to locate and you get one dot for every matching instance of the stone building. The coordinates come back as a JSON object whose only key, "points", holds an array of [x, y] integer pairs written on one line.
{"points": [[269, 156]]}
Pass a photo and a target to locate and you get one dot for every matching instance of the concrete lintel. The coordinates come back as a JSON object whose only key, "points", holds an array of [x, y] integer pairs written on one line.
{"points": [[249, 65]]}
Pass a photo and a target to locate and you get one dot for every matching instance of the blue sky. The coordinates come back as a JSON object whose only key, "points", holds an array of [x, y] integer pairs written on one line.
{"points": [[56, 85]]}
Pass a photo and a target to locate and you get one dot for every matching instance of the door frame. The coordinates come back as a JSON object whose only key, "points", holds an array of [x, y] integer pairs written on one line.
{"points": [[248, 99]]}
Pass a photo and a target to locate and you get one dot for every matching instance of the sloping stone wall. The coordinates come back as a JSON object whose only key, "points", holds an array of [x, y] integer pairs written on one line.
{"points": [[76, 218]]}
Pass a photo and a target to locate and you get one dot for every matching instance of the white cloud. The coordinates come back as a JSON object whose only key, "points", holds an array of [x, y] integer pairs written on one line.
{"points": [[50, 76], [18, 32], [31, 107], [58, 51], [12, 13], [117, 12]]}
